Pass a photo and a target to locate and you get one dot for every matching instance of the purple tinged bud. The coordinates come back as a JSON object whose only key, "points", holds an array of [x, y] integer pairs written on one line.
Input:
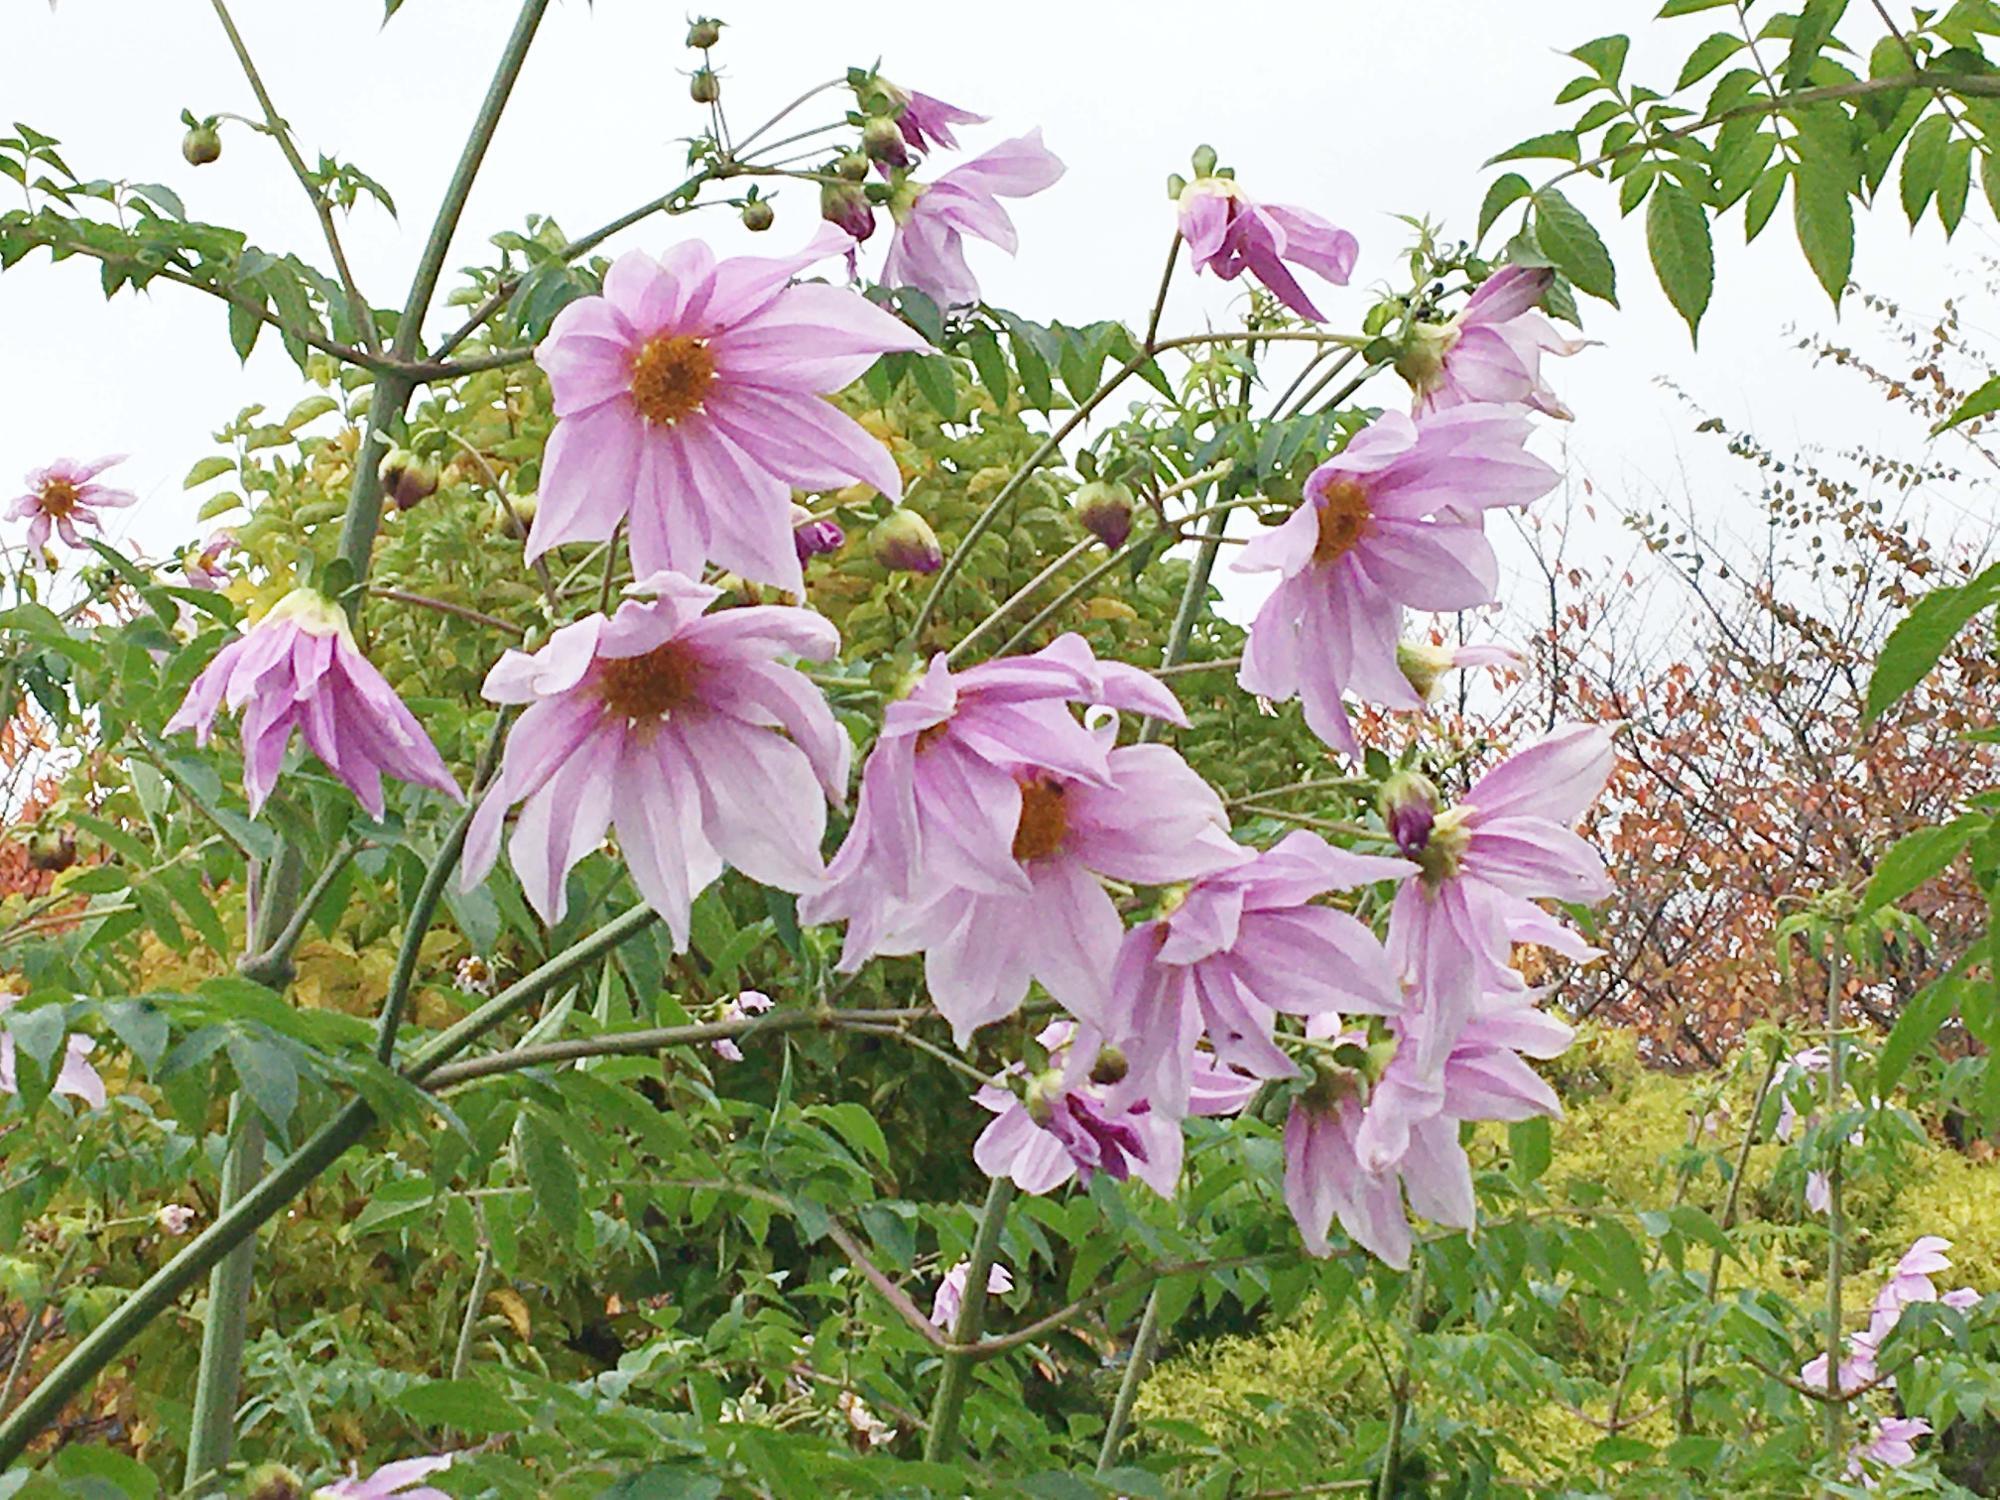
{"points": [[201, 145], [1105, 510], [905, 543], [1110, 1067], [1409, 806], [882, 140], [273, 1482], [846, 205], [811, 537], [758, 215], [408, 479], [853, 166]]}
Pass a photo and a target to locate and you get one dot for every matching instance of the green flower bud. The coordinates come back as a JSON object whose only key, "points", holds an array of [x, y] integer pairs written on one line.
{"points": [[905, 543], [201, 145], [704, 87], [757, 215], [1105, 510], [704, 32], [273, 1482], [1204, 161], [853, 166], [882, 140], [1110, 1066], [408, 479]]}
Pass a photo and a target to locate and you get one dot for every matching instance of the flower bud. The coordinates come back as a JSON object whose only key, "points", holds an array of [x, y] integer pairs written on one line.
{"points": [[704, 87], [882, 140], [1176, 185], [1421, 361], [201, 145], [704, 32], [1409, 804], [1330, 1084], [905, 543], [1204, 161], [406, 478], [53, 850], [1104, 508], [1044, 1089], [1422, 664], [1110, 1066], [846, 205], [853, 166], [273, 1482], [811, 537], [757, 215]]}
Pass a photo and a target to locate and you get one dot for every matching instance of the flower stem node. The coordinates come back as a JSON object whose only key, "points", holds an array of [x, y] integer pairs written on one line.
{"points": [[1104, 508]]}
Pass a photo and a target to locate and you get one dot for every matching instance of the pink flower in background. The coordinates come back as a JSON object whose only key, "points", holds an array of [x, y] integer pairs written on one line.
{"points": [[299, 668], [940, 799], [749, 1003], [175, 1218], [927, 123], [1241, 946], [1961, 1299], [76, 1077], [1819, 1192], [1492, 350], [932, 219], [1891, 1445], [1353, 1154], [63, 497], [1228, 233], [1797, 1069], [950, 1298], [683, 731], [204, 569], [1071, 1124], [1485, 863], [391, 1482], [1391, 522], [690, 405]]}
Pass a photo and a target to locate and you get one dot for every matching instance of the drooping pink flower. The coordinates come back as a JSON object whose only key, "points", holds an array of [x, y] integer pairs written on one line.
{"points": [[396, 1481], [1492, 350], [811, 537], [1228, 233], [1819, 1192], [1075, 1119], [76, 1077], [299, 668], [932, 219], [1424, 665], [1485, 863], [680, 729], [63, 497], [926, 122], [1911, 1280], [689, 406], [749, 1003], [204, 569], [1795, 1072], [941, 799], [1391, 522], [950, 1298], [1240, 947], [1891, 1445], [1353, 1153]]}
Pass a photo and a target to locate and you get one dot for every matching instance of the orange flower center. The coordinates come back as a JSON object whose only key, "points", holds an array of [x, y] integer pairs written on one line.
{"points": [[647, 687], [670, 375], [59, 497], [1344, 519], [1044, 823]]}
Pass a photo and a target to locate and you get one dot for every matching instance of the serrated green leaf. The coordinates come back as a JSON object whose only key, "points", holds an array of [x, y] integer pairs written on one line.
{"points": [[1574, 246], [1763, 197], [1689, 7], [207, 469], [1810, 34], [244, 326], [1923, 163], [1554, 145], [1823, 215], [1710, 55], [1508, 189], [1677, 237], [1919, 857], [1605, 56], [469, 1406], [551, 1174], [1954, 185], [1934, 622], [1927, 1010]]}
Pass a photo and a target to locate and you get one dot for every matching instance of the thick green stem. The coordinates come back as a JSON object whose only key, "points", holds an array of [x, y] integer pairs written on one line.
{"points": [[1135, 1376], [957, 1378], [1193, 596], [1835, 1229], [218, 1379], [475, 1300]]}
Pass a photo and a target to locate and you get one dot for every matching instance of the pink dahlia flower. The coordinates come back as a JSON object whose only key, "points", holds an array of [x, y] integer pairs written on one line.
{"points": [[63, 497], [76, 1077], [1331, 1132], [1391, 522], [1071, 1125], [932, 219], [941, 797], [689, 405], [1891, 1445], [749, 1003], [397, 1481], [1485, 864], [299, 668], [927, 123], [950, 1298], [204, 568], [1239, 947], [1228, 232], [681, 730], [1492, 350]]}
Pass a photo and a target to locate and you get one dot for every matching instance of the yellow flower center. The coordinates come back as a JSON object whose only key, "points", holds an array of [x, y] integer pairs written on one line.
{"points": [[670, 375], [1344, 519], [1044, 823], [649, 686], [59, 497]]}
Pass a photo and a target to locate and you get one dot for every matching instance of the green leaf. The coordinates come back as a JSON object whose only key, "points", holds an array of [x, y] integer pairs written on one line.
{"points": [[471, 1406], [1989, 180], [857, 1127], [1763, 199], [1709, 56], [1605, 57], [1928, 1009], [1923, 161], [932, 374], [1689, 7], [1824, 217], [244, 326], [1555, 145], [1508, 189], [1922, 635], [1528, 1142], [1814, 29], [551, 1174], [1919, 857], [984, 349], [1982, 402], [1573, 245], [207, 469], [1954, 185], [267, 1074], [1683, 256]]}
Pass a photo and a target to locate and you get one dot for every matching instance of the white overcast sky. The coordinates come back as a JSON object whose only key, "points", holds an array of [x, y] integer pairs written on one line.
{"points": [[1356, 108]]}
